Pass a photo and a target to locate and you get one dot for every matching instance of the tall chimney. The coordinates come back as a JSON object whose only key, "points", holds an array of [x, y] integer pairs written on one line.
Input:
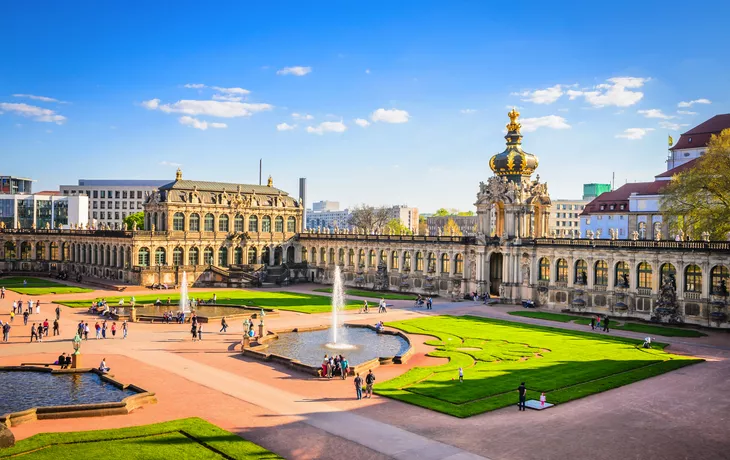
{"points": [[303, 200]]}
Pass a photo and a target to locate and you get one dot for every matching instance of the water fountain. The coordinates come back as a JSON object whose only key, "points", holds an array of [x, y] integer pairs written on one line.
{"points": [[184, 307], [338, 304]]}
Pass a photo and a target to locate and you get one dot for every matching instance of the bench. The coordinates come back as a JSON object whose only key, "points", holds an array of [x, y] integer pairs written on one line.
{"points": [[40, 364]]}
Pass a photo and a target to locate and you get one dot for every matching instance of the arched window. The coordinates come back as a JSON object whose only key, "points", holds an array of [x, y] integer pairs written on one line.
{"points": [[279, 224], [323, 256], [238, 256], [253, 224], [361, 257], [544, 269], [351, 257], [600, 278], [693, 279], [371, 258], [431, 262], [54, 251], [40, 251], [177, 256], [458, 264], [143, 257], [580, 276], [667, 273], [266, 224], [332, 256], [25, 250], [178, 222], [394, 260], [194, 222], [193, 256], [562, 271], [419, 261], [160, 256], [10, 250], [341, 257], [291, 224], [407, 260], [238, 223], [209, 223], [305, 255], [445, 263], [223, 223], [645, 272], [266, 255], [223, 256], [208, 256], [383, 257], [622, 274], [719, 278], [252, 255]]}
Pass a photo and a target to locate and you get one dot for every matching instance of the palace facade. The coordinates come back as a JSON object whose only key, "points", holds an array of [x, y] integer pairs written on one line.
{"points": [[220, 233]]}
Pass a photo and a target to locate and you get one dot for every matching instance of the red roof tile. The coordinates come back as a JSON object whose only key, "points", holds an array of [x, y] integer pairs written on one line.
{"points": [[620, 196], [700, 134], [683, 167]]}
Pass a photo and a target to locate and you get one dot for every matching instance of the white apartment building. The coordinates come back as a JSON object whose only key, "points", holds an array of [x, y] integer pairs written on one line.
{"points": [[565, 216], [407, 216], [110, 201], [328, 219]]}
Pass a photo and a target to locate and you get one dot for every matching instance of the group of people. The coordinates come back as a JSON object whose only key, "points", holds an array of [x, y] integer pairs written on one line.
{"points": [[17, 308], [596, 323], [176, 316], [428, 302], [335, 365], [196, 328], [37, 331], [369, 381]]}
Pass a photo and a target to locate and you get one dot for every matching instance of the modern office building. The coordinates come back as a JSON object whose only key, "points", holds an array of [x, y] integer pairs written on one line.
{"points": [[110, 201], [43, 211], [328, 219], [10, 185], [591, 191], [326, 206]]}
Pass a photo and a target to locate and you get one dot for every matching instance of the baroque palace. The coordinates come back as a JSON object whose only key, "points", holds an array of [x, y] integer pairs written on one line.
{"points": [[221, 234]]}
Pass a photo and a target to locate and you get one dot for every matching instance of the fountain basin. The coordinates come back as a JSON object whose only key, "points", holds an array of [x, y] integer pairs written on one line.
{"points": [[304, 348], [37, 393], [205, 313]]}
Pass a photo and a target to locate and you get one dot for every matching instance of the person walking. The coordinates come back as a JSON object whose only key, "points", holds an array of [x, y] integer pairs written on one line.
{"points": [[45, 327], [369, 381], [593, 323], [605, 324], [25, 318], [224, 325], [97, 327], [15, 305], [358, 386], [200, 330], [12, 316], [114, 329], [86, 331], [461, 375], [125, 328], [55, 328], [6, 332], [103, 329], [2, 292], [429, 303], [522, 390], [33, 333], [194, 331], [58, 312]]}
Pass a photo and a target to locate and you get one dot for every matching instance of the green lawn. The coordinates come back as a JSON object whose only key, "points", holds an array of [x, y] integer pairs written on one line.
{"points": [[281, 300], [190, 438], [38, 286], [632, 327], [497, 355], [372, 294]]}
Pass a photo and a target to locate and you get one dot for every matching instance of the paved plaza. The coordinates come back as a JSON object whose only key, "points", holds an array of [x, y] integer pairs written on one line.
{"points": [[681, 414]]}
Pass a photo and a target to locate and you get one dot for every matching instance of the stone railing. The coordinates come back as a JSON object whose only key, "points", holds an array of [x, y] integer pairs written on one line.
{"points": [[386, 238], [644, 291], [103, 233], [635, 244], [692, 295], [599, 288]]}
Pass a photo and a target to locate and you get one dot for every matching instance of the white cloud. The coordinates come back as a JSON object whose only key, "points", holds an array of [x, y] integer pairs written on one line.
{"points": [[686, 112], [390, 116], [616, 92], [200, 124], [362, 122], [40, 98], [227, 97], [549, 121], [634, 133], [285, 127], [327, 127], [655, 113], [301, 116], [672, 126], [222, 109], [195, 85], [170, 163], [238, 91], [298, 71], [32, 111], [468, 111], [696, 101], [542, 96]]}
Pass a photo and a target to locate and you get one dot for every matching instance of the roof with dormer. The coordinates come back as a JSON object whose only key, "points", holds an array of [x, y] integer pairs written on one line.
{"points": [[699, 136], [220, 187]]}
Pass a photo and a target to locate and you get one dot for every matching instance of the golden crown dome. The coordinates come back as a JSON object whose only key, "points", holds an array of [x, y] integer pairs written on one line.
{"points": [[514, 163]]}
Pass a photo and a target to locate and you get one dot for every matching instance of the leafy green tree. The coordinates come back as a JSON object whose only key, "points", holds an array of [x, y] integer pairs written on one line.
{"points": [[137, 217], [465, 213], [698, 200], [441, 212], [396, 227], [451, 229]]}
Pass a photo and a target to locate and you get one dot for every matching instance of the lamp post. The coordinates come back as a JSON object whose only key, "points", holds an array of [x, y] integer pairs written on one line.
{"points": [[262, 330], [76, 357]]}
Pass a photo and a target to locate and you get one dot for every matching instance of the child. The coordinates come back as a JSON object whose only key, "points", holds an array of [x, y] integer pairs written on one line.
{"points": [[542, 400], [461, 375]]}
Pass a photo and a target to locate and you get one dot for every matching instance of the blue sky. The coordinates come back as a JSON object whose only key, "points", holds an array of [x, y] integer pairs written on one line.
{"points": [[397, 102]]}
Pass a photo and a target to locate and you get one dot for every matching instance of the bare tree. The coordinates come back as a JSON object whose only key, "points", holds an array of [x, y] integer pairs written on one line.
{"points": [[369, 218]]}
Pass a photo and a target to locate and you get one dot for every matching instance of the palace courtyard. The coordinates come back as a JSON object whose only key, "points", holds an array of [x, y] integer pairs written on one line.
{"points": [[613, 399]]}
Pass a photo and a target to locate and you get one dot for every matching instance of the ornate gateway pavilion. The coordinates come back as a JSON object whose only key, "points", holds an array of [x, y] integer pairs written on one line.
{"points": [[220, 233]]}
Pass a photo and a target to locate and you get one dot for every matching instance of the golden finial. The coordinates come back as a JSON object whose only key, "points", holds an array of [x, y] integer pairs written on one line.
{"points": [[513, 116], [270, 183], [178, 174]]}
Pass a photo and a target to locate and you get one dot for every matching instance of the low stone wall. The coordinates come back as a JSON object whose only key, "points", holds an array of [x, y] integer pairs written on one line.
{"points": [[257, 350], [247, 312], [122, 407]]}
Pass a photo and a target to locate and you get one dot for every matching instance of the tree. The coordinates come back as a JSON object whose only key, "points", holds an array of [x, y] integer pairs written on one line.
{"points": [[369, 218], [698, 200], [397, 227], [465, 213], [451, 229], [422, 225], [137, 217], [441, 212]]}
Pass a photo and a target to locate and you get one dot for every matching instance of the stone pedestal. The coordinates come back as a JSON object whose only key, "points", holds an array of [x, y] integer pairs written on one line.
{"points": [[133, 315], [246, 342], [262, 330], [76, 361]]}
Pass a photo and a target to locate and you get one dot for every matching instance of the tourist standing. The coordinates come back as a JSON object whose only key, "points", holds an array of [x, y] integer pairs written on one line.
{"points": [[6, 332], [12, 316], [55, 327], [200, 331], [522, 390], [2, 292], [86, 331], [114, 329], [329, 368], [37, 307], [58, 312], [15, 305], [605, 324], [33, 333], [103, 329], [593, 323], [381, 306], [97, 327], [345, 365], [25, 318], [224, 325], [429, 303], [461, 375], [369, 381], [358, 386], [125, 328], [45, 327]]}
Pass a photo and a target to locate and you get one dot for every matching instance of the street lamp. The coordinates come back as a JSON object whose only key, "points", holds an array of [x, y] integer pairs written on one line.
{"points": [[76, 357]]}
